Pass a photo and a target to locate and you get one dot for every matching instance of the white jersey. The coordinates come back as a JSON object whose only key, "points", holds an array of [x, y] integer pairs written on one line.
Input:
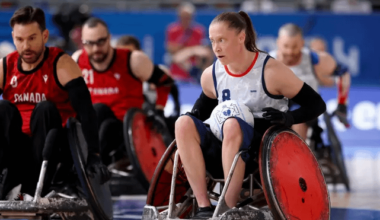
{"points": [[305, 69], [248, 88]]}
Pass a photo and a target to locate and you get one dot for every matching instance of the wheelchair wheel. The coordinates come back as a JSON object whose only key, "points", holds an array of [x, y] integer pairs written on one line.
{"points": [[98, 196], [293, 182], [145, 146], [336, 150], [159, 191]]}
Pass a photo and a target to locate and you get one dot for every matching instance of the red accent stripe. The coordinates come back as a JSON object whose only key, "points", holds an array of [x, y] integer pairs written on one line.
{"points": [[247, 71]]}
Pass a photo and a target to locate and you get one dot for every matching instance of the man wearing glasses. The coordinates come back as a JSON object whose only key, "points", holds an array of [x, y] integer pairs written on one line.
{"points": [[114, 78]]}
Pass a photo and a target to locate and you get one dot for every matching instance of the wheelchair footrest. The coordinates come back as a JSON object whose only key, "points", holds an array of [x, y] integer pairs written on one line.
{"points": [[45, 206], [239, 214]]}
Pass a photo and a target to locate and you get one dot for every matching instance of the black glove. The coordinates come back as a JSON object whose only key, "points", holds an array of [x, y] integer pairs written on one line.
{"points": [[95, 166], [278, 117], [341, 113]]}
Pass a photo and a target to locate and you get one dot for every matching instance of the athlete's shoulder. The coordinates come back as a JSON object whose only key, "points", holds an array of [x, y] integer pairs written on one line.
{"points": [[76, 55], [65, 59], [275, 68]]}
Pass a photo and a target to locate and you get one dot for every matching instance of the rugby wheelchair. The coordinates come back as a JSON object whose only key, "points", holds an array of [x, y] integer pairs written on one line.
{"points": [[329, 155], [94, 200], [288, 184], [145, 139], [145, 136]]}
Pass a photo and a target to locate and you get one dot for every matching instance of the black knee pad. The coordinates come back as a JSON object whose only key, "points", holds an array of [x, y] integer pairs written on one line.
{"points": [[7, 107], [47, 112], [46, 106], [102, 109], [103, 112], [9, 113]]}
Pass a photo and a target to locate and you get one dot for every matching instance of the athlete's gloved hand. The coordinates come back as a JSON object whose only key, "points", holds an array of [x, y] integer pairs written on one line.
{"points": [[341, 113], [278, 117], [95, 166]]}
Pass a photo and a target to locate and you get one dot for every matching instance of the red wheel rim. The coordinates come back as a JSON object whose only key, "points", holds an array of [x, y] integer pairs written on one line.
{"points": [[297, 182], [148, 144]]}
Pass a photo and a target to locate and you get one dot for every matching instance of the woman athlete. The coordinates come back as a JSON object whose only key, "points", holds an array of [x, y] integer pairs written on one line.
{"points": [[243, 73]]}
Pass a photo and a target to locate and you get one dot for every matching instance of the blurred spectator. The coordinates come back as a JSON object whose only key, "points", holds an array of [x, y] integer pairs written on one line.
{"points": [[318, 44], [307, 5], [351, 6], [8, 4], [184, 43], [69, 20], [265, 6]]}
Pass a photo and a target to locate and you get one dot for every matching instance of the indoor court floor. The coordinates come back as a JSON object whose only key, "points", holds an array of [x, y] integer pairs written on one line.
{"points": [[361, 203]]}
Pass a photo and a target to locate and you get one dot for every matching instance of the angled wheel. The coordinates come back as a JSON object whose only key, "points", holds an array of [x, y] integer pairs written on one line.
{"points": [[293, 182], [98, 196], [145, 146], [336, 151]]}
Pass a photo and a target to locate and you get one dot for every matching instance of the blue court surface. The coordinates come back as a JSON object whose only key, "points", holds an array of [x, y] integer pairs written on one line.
{"points": [[131, 208]]}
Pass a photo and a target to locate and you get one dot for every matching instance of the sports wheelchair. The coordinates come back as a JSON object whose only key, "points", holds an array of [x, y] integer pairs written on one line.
{"points": [[94, 201], [288, 184], [145, 141], [329, 156]]}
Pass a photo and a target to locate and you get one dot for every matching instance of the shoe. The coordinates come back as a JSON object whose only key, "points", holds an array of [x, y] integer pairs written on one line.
{"points": [[23, 197], [204, 213]]}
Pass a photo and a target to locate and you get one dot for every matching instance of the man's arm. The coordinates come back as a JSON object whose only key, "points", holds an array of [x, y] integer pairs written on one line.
{"points": [[70, 77], [324, 65], [329, 73], [143, 69]]}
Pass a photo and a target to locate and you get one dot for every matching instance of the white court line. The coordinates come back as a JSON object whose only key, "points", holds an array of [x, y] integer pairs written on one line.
{"points": [[125, 197], [128, 216]]}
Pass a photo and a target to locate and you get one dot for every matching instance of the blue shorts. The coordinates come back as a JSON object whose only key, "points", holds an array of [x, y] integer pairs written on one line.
{"points": [[212, 147]]}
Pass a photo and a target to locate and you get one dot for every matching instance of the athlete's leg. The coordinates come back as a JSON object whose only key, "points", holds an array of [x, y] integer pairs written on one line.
{"points": [[14, 146], [110, 133], [232, 141], [45, 119], [188, 143], [301, 130], [103, 112]]}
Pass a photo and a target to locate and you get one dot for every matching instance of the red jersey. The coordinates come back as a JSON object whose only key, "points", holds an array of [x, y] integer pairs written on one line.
{"points": [[192, 36], [27, 88], [116, 86]]}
